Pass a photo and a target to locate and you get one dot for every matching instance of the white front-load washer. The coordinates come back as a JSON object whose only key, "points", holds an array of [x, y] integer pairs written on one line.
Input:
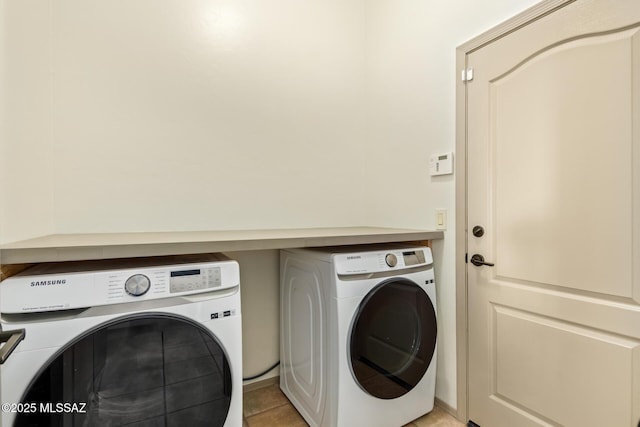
{"points": [[144, 342], [358, 334]]}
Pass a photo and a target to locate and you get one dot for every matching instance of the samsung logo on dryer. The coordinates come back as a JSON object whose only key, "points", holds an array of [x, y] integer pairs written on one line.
{"points": [[49, 282], [354, 257]]}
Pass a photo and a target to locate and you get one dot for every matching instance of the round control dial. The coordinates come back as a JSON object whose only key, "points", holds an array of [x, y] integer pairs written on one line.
{"points": [[391, 260], [137, 285]]}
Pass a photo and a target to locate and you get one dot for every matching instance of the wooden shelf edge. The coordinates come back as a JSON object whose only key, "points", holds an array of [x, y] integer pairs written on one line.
{"points": [[108, 246]]}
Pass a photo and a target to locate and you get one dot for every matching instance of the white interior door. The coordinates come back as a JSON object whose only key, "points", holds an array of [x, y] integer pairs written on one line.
{"points": [[553, 175]]}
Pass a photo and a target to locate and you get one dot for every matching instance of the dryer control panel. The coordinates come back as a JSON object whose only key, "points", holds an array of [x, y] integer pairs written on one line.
{"points": [[382, 261]]}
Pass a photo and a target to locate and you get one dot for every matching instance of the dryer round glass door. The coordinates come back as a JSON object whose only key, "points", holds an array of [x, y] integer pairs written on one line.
{"points": [[393, 338], [138, 370]]}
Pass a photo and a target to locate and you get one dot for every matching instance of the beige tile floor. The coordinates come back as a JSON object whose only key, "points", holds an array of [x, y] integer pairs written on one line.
{"points": [[268, 407]]}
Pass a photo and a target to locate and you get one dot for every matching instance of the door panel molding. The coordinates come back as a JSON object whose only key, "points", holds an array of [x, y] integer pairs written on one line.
{"points": [[525, 155], [604, 36], [584, 345]]}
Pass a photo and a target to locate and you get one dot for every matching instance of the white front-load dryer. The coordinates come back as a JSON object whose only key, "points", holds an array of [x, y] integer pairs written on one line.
{"points": [[359, 329], [144, 342]]}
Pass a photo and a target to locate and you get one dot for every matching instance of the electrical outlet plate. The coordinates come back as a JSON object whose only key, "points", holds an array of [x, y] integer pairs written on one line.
{"points": [[441, 219]]}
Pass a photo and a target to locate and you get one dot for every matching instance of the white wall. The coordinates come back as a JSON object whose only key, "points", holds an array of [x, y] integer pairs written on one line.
{"points": [[26, 164], [192, 114], [411, 115], [207, 114]]}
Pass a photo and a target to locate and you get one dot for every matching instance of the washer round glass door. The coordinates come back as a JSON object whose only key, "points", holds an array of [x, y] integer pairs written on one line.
{"points": [[151, 370], [393, 338]]}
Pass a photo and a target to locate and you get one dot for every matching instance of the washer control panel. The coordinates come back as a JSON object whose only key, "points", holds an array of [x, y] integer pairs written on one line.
{"points": [[63, 287]]}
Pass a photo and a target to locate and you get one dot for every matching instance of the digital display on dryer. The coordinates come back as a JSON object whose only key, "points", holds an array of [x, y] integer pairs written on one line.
{"points": [[413, 257]]}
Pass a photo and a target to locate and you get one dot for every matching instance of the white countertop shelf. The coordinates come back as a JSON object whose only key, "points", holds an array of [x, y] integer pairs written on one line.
{"points": [[72, 247]]}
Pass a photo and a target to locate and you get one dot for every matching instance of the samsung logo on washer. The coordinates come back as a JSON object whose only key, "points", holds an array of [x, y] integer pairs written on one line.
{"points": [[49, 282], [354, 257]]}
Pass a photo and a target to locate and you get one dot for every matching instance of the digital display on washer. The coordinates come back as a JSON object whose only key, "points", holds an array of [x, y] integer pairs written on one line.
{"points": [[185, 273], [413, 257], [194, 279]]}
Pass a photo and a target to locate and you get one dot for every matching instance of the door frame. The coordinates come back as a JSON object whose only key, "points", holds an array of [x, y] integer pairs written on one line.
{"points": [[520, 20]]}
